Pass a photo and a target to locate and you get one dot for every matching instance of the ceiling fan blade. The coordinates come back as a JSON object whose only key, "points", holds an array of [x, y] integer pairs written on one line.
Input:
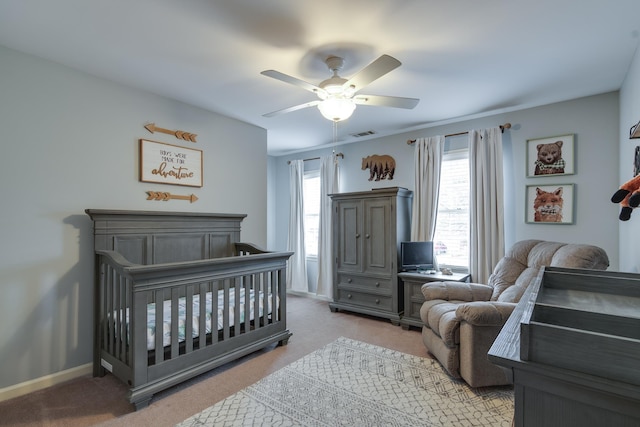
{"points": [[294, 108], [373, 71], [386, 101], [292, 80]]}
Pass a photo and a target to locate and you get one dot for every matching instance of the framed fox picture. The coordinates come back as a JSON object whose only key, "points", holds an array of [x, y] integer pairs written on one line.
{"points": [[550, 204]]}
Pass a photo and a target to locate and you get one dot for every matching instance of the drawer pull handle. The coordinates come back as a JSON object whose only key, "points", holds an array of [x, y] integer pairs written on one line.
{"points": [[377, 301], [357, 235], [377, 284], [349, 296], [349, 280], [367, 236]]}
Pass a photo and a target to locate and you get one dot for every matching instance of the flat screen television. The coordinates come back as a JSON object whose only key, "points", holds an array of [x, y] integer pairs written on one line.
{"points": [[416, 255]]}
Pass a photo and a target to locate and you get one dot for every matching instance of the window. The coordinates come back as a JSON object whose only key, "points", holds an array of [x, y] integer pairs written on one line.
{"points": [[311, 212], [451, 242]]}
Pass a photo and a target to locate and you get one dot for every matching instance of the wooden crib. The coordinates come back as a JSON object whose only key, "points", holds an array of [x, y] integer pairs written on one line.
{"points": [[162, 278]]}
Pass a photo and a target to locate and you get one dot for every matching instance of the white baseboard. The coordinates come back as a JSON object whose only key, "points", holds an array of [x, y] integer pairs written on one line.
{"points": [[44, 382]]}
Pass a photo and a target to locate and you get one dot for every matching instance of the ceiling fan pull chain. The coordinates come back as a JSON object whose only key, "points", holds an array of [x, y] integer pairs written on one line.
{"points": [[335, 141]]}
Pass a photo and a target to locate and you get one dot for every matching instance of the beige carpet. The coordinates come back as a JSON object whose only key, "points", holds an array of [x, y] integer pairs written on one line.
{"points": [[352, 383], [88, 401]]}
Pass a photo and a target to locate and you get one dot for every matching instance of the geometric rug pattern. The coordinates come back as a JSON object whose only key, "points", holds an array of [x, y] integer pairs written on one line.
{"points": [[352, 383]]}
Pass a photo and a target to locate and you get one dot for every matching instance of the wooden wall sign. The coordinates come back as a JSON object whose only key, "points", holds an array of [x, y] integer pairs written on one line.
{"points": [[180, 134], [170, 164], [166, 196]]}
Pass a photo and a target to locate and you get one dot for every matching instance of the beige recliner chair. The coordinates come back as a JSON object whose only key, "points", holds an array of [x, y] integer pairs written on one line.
{"points": [[461, 320]]}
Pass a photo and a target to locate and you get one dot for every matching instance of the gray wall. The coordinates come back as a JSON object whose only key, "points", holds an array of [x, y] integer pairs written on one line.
{"points": [[70, 142], [629, 116], [594, 121]]}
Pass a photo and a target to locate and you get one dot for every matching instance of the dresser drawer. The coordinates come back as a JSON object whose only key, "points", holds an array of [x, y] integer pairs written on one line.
{"points": [[364, 299], [351, 281]]}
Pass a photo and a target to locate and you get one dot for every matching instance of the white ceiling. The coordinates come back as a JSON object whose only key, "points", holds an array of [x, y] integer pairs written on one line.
{"points": [[459, 57]]}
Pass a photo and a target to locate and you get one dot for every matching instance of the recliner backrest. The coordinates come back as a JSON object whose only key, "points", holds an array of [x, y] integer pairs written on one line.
{"points": [[521, 264]]}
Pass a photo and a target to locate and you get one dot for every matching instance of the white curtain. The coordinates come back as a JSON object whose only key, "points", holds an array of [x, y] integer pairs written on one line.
{"points": [[329, 182], [297, 271], [486, 203], [427, 163]]}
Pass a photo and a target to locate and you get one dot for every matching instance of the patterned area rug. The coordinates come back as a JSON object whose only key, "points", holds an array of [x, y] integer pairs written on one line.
{"points": [[352, 383]]}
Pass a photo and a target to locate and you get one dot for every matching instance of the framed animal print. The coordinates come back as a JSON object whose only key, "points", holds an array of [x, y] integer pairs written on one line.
{"points": [[549, 204], [553, 155]]}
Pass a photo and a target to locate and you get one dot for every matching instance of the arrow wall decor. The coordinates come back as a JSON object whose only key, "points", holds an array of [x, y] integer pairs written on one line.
{"points": [[180, 134], [165, 196]]}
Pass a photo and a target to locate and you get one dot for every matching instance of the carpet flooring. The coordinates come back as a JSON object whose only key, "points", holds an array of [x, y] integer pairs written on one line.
{"points": [[352, 383], [88, 401]]}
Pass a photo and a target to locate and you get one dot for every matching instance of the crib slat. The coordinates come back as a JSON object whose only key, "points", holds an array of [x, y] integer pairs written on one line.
{"points": [[273, 303], [108, 333], [275, 314], [128, 330], [237, 287], [104, 318], [122, 317], [214, 289], [257, 289], [117, 316], [175, 322], [274, 296], [278, 302], [122, 311], [225, 304], [188, 331], [202, 320], [159, 347], [215, 309], [265, 298], [247, 280]]}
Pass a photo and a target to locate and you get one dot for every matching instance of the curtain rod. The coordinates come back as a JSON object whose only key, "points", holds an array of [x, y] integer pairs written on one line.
{"points": [[502, 128], [317, 158]]}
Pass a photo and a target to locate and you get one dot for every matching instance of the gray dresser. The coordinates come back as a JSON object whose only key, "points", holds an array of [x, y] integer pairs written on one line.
{"points": [[572, 348], [368, 227]]}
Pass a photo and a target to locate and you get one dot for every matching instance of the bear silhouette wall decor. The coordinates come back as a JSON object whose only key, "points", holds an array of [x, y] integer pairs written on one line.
{"points": [[380, 167]]}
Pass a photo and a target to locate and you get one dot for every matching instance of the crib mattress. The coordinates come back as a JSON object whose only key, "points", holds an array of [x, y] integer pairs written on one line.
{"points": [[195, 321], [222, 311]]}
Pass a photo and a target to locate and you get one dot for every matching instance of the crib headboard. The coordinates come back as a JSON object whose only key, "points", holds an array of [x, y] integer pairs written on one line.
{"points": [[147, 237]]}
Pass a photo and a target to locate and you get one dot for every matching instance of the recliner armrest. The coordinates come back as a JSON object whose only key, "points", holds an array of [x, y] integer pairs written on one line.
{"points": [[485, 313], [456, 291]]}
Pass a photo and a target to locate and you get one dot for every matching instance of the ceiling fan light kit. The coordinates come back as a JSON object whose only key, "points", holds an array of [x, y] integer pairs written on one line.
{"points": [[337, 100], [337, 108]]}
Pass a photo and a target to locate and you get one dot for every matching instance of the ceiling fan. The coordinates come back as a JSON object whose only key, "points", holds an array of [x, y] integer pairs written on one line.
{"points": [[337, 97]]}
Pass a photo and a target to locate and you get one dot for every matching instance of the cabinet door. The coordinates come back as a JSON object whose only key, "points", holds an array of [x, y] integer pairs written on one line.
{"points": [[348, 238], [379, 245]]}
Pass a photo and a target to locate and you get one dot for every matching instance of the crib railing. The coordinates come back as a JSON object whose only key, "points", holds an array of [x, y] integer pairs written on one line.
{"points": [[249, 289]]}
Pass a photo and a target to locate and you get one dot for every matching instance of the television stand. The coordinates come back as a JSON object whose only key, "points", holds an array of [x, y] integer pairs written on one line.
{"points": [[413, 298]]}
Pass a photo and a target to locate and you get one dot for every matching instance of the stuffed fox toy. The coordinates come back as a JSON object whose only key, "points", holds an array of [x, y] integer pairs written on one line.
{"points": [[628, 196]]}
